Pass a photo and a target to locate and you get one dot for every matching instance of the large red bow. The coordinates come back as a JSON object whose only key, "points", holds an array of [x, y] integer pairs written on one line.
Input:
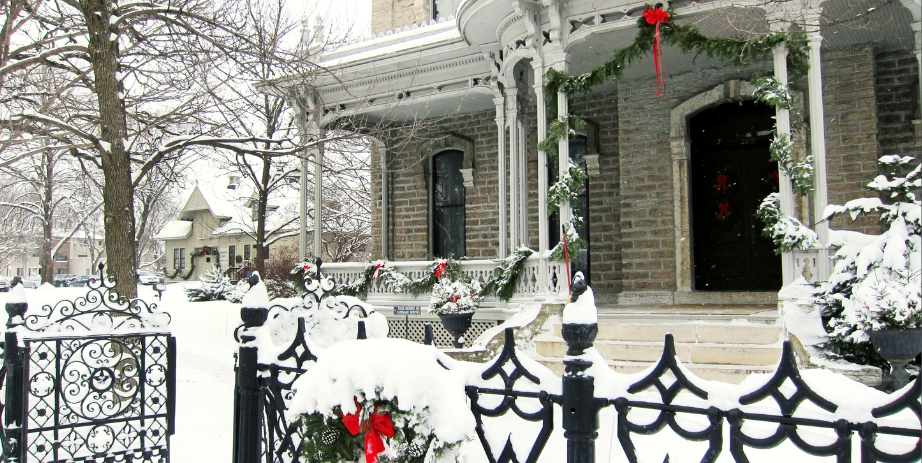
{"points": [[655, 17], [377, 425], [377, 269], [440, 269], [721, 182]]}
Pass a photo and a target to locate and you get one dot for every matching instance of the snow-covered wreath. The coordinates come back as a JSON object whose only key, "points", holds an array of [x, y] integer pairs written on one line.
{"points": [[454, 296]]}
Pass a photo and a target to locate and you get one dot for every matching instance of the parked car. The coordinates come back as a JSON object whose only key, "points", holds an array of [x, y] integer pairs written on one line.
{"points": [[148, 278], [82, 281], [31, 282], [62, 279], [4, 284]]}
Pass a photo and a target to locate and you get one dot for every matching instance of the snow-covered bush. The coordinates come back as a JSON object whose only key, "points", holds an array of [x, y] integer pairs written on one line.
{"points": [[454, 296], [236, 292], [214, 286], [876, 279], [277, 272]]}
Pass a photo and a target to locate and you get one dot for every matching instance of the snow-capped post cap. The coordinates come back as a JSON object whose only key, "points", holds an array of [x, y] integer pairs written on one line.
{"points": [[255, 308], [253, 279], [580, 318], [16, 306]]}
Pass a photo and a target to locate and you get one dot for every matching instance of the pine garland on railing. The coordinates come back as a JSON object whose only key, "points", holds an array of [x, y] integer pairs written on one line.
{"points": [[502, 283], [786, 232]]}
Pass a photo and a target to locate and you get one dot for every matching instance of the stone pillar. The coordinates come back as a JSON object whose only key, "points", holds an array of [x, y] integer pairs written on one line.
{"points": [[818, 146], [783, 127], [500, 102]]}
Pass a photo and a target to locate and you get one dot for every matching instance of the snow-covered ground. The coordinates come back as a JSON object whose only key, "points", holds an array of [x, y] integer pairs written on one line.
{"points": [[205, 381]]}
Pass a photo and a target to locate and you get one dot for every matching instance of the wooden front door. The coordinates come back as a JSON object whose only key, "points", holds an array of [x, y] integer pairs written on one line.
{"points": [[732, 173]]}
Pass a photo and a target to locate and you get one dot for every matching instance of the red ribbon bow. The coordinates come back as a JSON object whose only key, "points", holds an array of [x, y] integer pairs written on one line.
{"points": [[377, 425], [377, 269], [307, 268], [723, 210], [721, 182], [655, 17], [440, 269], [773, 177]]}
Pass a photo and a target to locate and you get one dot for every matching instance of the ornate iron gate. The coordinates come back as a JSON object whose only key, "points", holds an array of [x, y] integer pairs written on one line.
{"points": [[75, 394]]}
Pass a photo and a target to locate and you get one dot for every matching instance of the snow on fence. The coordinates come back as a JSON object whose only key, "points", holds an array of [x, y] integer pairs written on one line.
{"points": [[784, 409], [542, 279], [86, 380]]}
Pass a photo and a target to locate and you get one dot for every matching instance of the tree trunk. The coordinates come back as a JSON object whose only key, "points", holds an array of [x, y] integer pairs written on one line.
{"points": [[117, 192], [46, 261], [263, 200]]}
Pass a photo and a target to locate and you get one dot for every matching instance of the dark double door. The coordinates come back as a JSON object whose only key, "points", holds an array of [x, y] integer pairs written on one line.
{"points": [[732, 173]]}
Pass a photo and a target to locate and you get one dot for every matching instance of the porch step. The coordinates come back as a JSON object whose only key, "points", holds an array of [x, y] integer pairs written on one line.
{"points": [[725, 373], [694, 353], [716, 342]]}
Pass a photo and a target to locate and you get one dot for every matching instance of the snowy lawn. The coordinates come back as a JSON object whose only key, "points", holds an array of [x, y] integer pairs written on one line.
{"points": [[205, 381]]}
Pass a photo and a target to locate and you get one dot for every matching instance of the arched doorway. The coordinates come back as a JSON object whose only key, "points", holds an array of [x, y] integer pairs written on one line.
{"points": [[731, 173]]}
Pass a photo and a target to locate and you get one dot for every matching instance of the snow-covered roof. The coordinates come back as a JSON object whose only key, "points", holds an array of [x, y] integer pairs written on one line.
{"points": [[174, 229], [410, 38], [233, 209]]}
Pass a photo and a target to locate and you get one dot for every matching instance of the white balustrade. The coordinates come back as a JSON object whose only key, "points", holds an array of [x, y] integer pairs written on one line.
{"points": [[529, 288]]}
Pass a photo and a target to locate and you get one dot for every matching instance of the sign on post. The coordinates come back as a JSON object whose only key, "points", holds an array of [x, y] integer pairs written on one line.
{"points": [[407, 310]]}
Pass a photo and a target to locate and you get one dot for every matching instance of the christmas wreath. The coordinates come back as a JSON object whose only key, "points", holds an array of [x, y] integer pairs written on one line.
{"points": [[378, 429], [454, 296]]}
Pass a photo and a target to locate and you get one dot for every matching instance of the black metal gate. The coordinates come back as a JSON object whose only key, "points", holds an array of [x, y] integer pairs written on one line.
{"points": [[88, 379]]}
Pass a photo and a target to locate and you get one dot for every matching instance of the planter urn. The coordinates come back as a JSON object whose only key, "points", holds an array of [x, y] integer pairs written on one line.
{"points": [[457, 324], [898, 347]]}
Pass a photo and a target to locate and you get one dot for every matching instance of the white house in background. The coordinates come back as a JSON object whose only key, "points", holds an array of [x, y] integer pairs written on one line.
{"points": [[78, 255], [224, 218]]}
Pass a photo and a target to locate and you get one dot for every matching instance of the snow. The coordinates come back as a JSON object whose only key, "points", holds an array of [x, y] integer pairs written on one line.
{"points": [[257, 297], [17, 295], [582, 310], [174, 229], [205, 382]]}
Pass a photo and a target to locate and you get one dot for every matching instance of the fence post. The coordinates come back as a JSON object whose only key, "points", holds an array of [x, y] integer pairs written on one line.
{"points": [[13, 414], [248, 403], [580, 407]]}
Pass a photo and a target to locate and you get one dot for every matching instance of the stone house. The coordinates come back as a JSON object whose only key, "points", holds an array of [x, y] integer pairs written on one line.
{"points": [[78, 255], [662, 226]]}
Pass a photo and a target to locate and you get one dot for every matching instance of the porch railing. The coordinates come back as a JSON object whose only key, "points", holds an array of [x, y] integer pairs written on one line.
{"points": [[542, 280]]}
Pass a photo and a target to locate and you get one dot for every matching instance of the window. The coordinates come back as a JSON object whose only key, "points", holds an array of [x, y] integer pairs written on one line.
{"points": [[448, 205], [182, 258], [176, 258], [231, 255], [246, 252], [82, 255], [60, 257], [442, 9], [255, 209]]}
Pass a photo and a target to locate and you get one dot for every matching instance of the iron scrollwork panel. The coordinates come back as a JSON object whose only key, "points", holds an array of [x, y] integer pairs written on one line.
{"points": [[99, 396]]}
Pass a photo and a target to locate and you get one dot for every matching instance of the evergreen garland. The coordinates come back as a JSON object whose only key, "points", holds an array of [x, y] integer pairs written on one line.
{"points": [[504, 278], [201, 252], [786, 232], [565, 189]]}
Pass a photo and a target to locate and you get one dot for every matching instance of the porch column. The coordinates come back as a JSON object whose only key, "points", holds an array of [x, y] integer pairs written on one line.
{"points": [[512, 125], [542, 159], [915, 8], [302, 206], [818, 144], [523, 183], [500, 102], [783, 127], [318, 200], [563, 149]]}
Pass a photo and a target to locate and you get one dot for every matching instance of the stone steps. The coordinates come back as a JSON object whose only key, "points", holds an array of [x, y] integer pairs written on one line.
{"points": [[722, 344]]}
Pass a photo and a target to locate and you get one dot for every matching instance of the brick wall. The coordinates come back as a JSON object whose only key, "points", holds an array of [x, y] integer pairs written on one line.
{"points": [[851, 128], [391, 14], [896, 81], [409, 205]]}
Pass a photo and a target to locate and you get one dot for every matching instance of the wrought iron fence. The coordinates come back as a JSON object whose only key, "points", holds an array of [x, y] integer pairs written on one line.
{"points": [[89, 379], [262, 433]]}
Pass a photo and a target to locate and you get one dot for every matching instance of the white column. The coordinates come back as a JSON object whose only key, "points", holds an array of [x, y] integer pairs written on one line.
{"points": [[512, 124], [318, 201], [523, 185], [563, 155], [382, 151], [542, 160], [500, 103], [783, 127], [818, 149], [302, 231]]}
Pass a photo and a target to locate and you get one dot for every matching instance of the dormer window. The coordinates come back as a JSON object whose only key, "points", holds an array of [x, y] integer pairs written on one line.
{"points": [[233, 182], [254, 205]]}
